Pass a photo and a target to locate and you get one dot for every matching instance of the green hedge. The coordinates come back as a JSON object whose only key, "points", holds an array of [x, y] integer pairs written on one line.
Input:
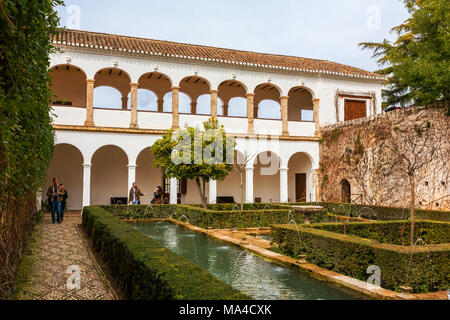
{"points": [[147, 271], [351, 255], [381, 212], [216, 219], [394, 232]]}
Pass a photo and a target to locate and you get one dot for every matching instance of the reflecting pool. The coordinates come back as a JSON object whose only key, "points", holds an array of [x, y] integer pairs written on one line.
{"points": [[252, 275]]}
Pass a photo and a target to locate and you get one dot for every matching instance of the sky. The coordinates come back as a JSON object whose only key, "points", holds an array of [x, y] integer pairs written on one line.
{"points": [[319, 29]]}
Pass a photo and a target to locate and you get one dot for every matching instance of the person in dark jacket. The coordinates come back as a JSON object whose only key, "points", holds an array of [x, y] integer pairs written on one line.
{"points": [[157, 195]]}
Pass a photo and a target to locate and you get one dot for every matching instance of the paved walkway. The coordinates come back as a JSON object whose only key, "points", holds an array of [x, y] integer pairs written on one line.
{"points": [[57, 248]]}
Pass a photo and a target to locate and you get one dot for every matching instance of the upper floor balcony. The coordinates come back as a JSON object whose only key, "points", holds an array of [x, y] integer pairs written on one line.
{"points": [[112, 100]]}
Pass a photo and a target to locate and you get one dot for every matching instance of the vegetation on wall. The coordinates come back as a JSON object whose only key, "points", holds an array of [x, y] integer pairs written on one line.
{"points": [[418, 61], [26, 136]]}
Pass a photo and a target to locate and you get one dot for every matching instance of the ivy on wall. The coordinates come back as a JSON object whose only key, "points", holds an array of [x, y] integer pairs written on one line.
{"points": [[26, 135]]}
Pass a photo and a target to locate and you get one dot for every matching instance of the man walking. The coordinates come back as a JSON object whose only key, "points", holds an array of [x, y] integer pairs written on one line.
{"points": [[55, 199], [135, 195]]}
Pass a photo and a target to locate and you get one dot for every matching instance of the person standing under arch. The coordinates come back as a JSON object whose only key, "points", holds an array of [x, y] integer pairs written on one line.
{"points": [[135, 194]]}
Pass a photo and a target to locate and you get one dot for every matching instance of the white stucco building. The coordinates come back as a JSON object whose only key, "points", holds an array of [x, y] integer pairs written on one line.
{"points": [[101, 150]]}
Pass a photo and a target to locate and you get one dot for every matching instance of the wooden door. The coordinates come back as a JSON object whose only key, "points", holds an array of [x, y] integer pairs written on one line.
{"points": [[300, 187], [355, 109], [346, 192]]}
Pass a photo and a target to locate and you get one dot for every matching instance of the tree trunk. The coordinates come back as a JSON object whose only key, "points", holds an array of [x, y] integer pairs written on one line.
{"points": [[202, 192], [413, 204]]}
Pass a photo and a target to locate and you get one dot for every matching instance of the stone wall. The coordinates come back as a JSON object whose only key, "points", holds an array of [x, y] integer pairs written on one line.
{"points": [[373, 155]]}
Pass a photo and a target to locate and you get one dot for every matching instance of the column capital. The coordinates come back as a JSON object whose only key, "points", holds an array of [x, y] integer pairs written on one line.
{"points": [[90, 81], [249, 168], [249, 95], [134, 84], [284, 97], [284, 169], [175, 88], [87, 165], [316, 100], [132, 166], [214, 91]]}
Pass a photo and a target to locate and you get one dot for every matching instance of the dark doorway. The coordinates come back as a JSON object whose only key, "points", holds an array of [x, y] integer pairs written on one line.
{"points": [[354, 109], [300, 187], [346, 191]]}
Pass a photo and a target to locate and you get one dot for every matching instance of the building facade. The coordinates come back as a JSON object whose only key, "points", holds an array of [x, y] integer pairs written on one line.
{"points": [[274, 105]]}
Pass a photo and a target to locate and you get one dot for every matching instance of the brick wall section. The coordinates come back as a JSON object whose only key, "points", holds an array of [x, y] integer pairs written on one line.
{"points": [[358, 152]]}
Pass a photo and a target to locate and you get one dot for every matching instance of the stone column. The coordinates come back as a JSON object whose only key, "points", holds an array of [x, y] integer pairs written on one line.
{"points": [[173, 191], [131, 177], [212, 198], [225, 110], [175, 103], [89, 102], [214, 94], [249, 185], [316, 107], [193, 107], [134, 113], [87, 184], [160, 105], [284, 115], [316, 182], [124, 103], [251, 113], [284, 185]]}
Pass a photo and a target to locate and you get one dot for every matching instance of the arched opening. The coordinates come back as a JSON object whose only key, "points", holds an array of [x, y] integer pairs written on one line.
{"points": [[159, 84], [267, 102], [237, 107], [184, 103], [300, 105], [147, 100], [266, 178], [229, 190], [111, 78], [109, 175], [300, 178], [346, 191], [195, 87], [68, 84], [67, 166], [233, 94], [107, 98], [204, 105], [269, 109], [147, 177]]}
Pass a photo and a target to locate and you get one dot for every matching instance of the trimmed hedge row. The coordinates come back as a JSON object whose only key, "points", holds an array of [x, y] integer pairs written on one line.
{"points": [[394, 232], [215, 219], [147, 271], [352, 256], [382, 213]]}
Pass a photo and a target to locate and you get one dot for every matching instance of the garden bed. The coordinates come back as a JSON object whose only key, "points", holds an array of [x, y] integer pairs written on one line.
{"points": [[425, 270], [147, 271], [215, 219], [381, 212]]}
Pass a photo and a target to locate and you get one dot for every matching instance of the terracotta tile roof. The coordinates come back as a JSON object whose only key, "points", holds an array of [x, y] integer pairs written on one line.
{"points": [[133, 45]]}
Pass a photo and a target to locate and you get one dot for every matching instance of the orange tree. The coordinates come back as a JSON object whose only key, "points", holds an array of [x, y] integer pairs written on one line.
{"points": [[197, 155]]}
